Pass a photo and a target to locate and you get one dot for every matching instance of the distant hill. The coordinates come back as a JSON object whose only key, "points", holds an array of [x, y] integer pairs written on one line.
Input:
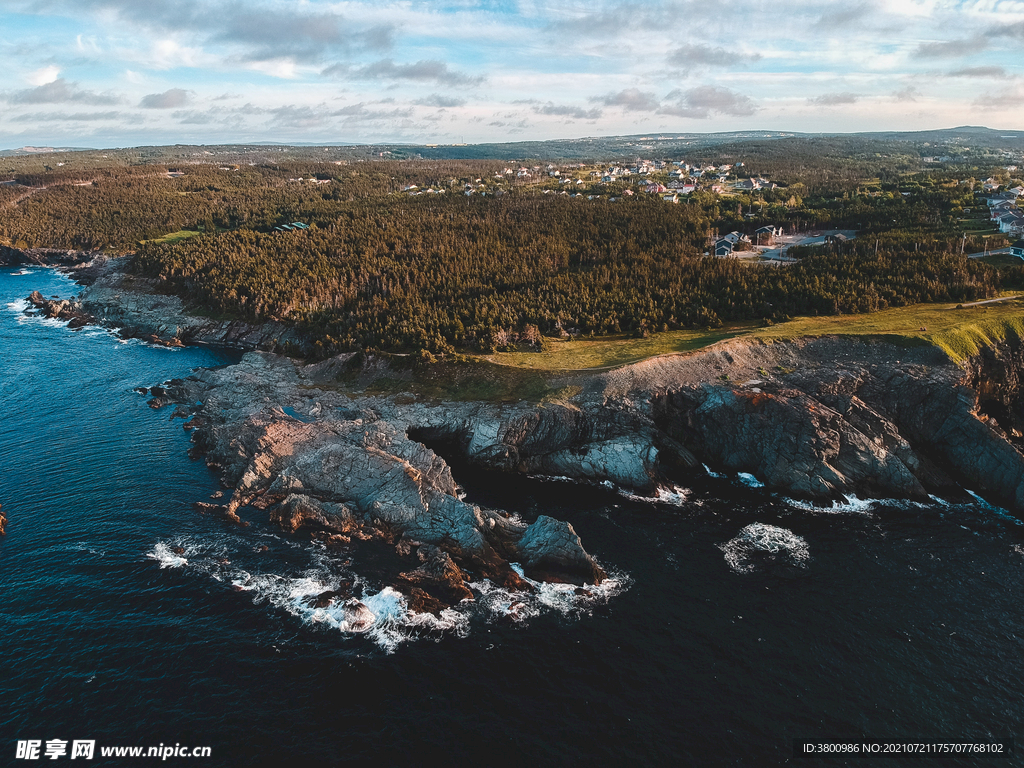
{"points": [[586, 148], [40, 150]]}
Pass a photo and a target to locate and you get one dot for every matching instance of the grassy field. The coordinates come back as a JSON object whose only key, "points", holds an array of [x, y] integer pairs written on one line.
{"points": [[613, 351], [958, 332], [173, 237]]}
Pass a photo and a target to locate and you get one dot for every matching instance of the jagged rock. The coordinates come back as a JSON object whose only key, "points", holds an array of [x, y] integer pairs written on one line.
{"points": [[327, 598], [419, 601], [61, 309], [219, 510], [298, 511], [551, 551], [438, 576], [358, 618]]}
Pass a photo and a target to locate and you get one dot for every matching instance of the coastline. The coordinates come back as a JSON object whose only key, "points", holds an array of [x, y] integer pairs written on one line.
{"points": [[313, 448]]}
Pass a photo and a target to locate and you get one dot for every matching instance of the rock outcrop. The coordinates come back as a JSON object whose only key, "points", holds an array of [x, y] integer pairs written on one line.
{"points": [[135, 306], [350, 475], [849, 416]]}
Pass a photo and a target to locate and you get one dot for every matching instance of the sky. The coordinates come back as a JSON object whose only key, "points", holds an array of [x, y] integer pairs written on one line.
{"points": [[109, 73]]}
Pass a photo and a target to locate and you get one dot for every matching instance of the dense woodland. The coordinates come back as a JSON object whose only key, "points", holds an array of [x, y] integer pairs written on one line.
{"points": [[443, 272]]}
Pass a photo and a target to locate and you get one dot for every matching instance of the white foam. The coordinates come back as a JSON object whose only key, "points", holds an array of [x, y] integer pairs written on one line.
{"points": [[712, 473], [999, 511], [500, 603], [167, 559], [18, 306], [851, 504], [749, 480], [759, 542], [674, 494], [985, 504], [381, 616]]}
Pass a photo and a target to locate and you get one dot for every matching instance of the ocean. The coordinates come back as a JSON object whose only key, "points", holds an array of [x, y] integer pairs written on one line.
{"points": [[736, 621]]}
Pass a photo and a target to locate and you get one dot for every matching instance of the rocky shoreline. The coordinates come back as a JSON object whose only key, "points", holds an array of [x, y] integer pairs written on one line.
{"points": [[308, 447]]}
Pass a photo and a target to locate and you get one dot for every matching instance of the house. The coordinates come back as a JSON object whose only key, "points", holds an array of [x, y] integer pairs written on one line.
{"points": [[670, 198], [1017, 249], [723, 248], [766, 235], [1001, 197], [1011, 221], [836, 239], [998, 209]]}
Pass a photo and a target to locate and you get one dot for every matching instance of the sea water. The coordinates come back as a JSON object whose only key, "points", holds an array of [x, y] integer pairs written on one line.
{"points": [[735, 621]]}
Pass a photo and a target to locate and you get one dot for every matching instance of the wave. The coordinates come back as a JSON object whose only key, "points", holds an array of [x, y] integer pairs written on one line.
{"points": [[380, 615], [851, 504], [747, 479], [759, 545], [166, 557], [675, 495], [496, 602]]}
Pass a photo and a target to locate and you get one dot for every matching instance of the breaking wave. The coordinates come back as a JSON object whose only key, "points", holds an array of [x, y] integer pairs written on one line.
{"points": [[759, 545], [675, 495], [328, 594], [749, 480], [850, 504], [164, 555]]}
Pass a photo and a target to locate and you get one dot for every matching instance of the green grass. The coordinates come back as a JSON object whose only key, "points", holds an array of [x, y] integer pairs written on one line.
{"points": [[613, 351], [960, 333], [462, 379], [174, 237]]}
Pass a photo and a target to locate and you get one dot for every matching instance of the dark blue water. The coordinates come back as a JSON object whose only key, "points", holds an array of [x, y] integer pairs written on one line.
{"points": [[880, 621]]}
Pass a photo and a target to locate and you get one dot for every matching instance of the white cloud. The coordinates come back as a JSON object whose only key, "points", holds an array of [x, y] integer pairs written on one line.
{"points": [[44, 75]]}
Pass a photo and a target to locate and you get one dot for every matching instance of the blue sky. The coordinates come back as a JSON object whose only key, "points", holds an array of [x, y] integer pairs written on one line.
{"points": [[131, 72]]}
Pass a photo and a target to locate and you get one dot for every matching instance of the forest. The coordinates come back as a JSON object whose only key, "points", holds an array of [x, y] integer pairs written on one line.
{"points": [[485, 261]]}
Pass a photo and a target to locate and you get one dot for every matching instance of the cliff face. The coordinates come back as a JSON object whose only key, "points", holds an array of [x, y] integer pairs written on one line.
{"points": [[50, 257], [889, 421], [133, 305]]}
